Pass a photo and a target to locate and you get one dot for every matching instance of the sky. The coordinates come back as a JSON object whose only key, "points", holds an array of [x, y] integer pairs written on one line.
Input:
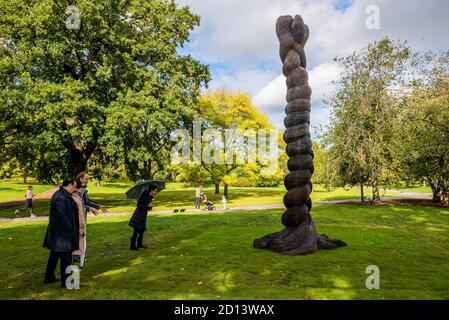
{"points": [[237, 40]]}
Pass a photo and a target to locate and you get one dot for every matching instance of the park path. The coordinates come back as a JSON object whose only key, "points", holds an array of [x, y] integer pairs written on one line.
{"points": [[411, 195], [401, 196], [41, 196]]}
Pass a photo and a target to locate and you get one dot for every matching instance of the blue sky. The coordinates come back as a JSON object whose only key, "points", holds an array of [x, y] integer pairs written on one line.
{"points": [[342, 5], [237, 39]]}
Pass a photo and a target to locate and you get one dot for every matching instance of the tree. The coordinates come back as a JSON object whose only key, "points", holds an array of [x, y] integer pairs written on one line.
{"points": [[226, 113], [421, 139], [223, 110], [363, 108], [104, 88], [319, 162]]}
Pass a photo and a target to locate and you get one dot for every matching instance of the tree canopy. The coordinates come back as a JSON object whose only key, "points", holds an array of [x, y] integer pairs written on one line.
{"points": [[112, 89], [420, 146], [222, 110], [363, 107]]}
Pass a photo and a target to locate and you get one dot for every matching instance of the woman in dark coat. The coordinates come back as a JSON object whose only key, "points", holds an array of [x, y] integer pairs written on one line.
{"points": [[139, 218]]}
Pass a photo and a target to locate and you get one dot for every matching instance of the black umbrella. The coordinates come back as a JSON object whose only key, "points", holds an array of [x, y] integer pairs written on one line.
{"points": [[136, 191]]}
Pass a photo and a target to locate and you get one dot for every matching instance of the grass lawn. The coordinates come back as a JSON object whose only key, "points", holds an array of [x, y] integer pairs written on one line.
{"points": [[418, 188], [178, 196], [210, 256], [14, 190]]}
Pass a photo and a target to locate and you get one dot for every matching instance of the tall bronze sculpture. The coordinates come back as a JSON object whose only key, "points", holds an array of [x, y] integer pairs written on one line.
{"points": [[299, 236]]}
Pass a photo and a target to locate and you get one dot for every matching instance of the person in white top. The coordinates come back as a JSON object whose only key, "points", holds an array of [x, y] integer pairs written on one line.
{"points": [[224, 201], [198, 197], [29, 202]]}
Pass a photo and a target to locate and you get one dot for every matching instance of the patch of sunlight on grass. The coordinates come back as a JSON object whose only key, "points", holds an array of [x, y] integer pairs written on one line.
{"points": [[112, 272], [417, 218], [436, 229], [386, 216], [266, 272], [224, 281], [338, 282], [137, 261], [341, 283], [330, 294], [186, 297], [402, 209], [384, 227]]}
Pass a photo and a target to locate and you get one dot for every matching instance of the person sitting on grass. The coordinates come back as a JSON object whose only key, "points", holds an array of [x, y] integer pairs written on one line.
{"points": [[29, 202], [139, 218]]}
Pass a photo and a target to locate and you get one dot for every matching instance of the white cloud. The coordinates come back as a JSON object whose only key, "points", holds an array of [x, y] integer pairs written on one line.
{"points": [[248, 80], [240, 35], [271, 98], [322, 81]]}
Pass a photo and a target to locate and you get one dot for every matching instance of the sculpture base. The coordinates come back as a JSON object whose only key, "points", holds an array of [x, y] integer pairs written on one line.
{"points": [[298, 241]]}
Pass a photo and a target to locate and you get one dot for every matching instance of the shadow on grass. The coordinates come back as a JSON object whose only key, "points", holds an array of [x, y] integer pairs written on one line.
{"points": [[210, 256]]}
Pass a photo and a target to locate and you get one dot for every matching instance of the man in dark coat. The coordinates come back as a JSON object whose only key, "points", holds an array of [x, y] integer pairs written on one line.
{"points": [[62, 236], [139, 218]]}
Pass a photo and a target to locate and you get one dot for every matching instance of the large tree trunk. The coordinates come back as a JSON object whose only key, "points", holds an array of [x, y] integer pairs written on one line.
{"points": [[79, 157], [225, 192], [217, 188], [436, 196], [376, 192], [444, 194], [78, 163], [362, 196], [300, 236]]}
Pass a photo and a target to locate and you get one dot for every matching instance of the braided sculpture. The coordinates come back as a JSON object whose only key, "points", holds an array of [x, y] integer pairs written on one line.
{"points": [[299, 236]]}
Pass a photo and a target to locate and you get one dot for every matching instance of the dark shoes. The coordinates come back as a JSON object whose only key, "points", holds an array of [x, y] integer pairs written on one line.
{"points": [[133, 244], [137, 246], [48, 281], [140, 244]]}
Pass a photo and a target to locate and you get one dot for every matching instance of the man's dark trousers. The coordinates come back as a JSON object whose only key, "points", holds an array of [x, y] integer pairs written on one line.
{"points": [[66, 260]]}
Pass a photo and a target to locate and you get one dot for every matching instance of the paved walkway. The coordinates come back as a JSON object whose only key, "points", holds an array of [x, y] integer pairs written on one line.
{"points": [[41, 196], [401, 195], [413, 195]]}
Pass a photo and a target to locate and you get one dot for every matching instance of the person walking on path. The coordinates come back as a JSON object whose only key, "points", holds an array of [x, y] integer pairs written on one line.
{"points": [[224, 201], [29, 202], [80, 254], [62, 235], [198, 197], [139, 218]]}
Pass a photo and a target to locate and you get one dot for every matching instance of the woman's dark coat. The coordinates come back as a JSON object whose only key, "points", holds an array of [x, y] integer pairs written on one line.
{"points": [[62, 232], [139, 218], [87, 203]]}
